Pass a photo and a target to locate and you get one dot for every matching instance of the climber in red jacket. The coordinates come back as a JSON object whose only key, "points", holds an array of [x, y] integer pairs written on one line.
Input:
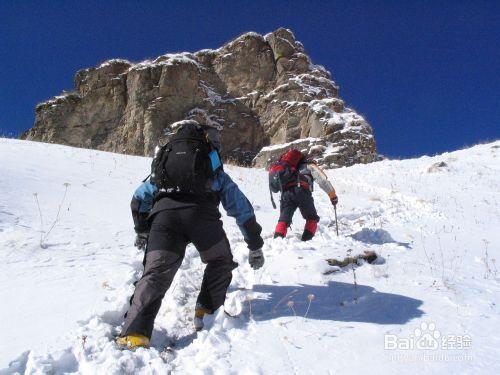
{"points": [[294, 175]]}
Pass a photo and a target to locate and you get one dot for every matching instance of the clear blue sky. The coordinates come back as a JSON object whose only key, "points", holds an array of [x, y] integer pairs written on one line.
{"points": [[426, 74]]}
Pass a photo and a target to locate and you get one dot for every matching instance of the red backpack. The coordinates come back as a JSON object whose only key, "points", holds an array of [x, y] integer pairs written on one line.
{"points": [[283, 173]]}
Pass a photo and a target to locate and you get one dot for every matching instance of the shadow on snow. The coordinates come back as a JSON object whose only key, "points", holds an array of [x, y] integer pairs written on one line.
{"points": [[336, 301], [377, 237]]}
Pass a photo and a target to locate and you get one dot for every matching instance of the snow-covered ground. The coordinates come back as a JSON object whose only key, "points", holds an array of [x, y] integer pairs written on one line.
{"points": [[429, 304]]}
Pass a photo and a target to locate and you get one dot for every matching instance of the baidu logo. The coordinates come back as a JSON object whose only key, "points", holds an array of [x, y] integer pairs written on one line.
{"points": [[427, 337]]}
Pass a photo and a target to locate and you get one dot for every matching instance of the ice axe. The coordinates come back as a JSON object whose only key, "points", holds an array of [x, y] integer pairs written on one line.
{"points": [[336, 222]]}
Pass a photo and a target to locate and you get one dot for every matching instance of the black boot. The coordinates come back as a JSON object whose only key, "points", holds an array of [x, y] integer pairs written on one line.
{"points": [[307, 235]]}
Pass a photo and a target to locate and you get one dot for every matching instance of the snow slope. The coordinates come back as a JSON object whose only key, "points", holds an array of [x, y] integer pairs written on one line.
{"points": [[429, 304]]}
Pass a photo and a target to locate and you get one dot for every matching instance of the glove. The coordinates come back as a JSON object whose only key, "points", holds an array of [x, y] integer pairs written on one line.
{"points": [[256, 259], [334, 200], [333, 197], [141, 241]]}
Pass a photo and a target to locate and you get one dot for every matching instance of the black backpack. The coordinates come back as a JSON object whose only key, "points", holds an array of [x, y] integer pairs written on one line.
{"points": [[183, 164]]}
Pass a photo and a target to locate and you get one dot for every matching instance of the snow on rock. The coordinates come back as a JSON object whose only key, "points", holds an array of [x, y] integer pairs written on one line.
{"points": [[168, 59], [436, 291], [269, 154]]}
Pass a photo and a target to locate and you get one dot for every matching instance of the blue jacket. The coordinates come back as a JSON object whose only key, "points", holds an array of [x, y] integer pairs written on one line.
{"points": [[233, 200]]}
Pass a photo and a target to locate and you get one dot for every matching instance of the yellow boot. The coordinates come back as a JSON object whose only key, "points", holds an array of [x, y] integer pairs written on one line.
{"points": [[199, 313], [133, 342]]}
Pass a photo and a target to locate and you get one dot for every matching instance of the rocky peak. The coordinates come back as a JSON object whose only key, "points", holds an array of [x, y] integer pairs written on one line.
{"points": [[263, 91]]}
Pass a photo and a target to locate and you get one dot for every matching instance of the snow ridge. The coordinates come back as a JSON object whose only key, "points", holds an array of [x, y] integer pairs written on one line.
{"points": [[432, 222]]}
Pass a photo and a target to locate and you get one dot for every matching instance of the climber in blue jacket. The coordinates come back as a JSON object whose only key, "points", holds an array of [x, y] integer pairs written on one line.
{"points": [[185, 209]]}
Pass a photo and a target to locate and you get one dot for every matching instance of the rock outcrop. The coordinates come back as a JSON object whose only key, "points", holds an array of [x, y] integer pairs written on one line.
{"points": [[263, 91]]}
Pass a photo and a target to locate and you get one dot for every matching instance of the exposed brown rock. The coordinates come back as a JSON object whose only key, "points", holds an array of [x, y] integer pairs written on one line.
{"points": [[263, 90]]}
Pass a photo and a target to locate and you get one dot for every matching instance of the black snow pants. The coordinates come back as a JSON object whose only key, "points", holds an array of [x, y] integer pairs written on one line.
{"points": [[297, 197], [171, 231]]}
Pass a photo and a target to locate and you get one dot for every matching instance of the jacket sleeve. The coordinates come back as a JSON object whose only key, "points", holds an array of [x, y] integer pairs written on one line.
{"points": [[237, 205], [141, 205], [321, 178]]}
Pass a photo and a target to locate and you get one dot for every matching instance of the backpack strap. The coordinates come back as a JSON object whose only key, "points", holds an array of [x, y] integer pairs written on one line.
{"points": [[164, 157], [193, 166]]}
